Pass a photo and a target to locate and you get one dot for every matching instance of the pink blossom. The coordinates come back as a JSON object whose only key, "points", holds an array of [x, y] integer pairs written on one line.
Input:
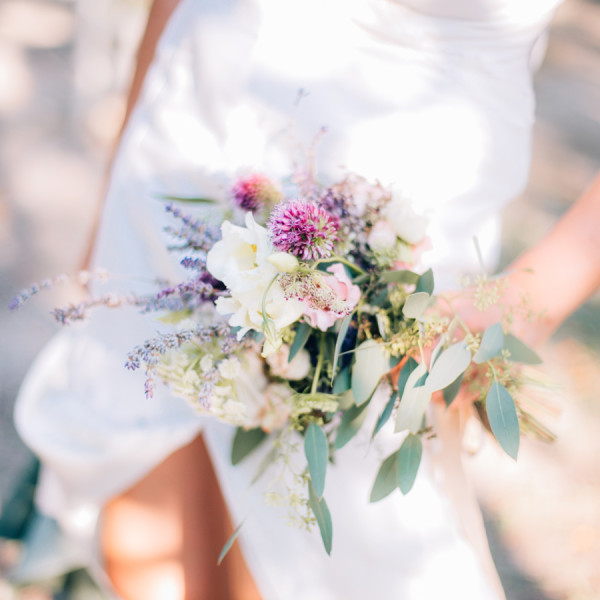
{"points": [[254, 192], [344, 289]]}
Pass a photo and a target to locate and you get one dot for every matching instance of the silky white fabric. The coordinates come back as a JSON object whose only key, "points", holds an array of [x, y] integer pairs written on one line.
{"points": [[432, 97]]}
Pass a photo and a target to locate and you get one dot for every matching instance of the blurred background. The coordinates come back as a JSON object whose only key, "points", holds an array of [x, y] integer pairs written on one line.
{"points": [[64, 68]]}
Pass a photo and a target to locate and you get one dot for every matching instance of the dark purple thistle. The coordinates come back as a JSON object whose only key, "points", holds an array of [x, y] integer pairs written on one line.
{"points": [[304, 229]]}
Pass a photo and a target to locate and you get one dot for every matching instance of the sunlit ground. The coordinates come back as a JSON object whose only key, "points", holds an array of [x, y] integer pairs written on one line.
{"points": [[63, 67]]}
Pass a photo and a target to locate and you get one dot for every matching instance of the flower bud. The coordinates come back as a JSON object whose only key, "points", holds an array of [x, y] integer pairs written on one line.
{"points": [[283, 262]]}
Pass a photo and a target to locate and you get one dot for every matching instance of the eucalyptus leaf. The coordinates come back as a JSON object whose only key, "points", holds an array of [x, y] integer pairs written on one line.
{"points": [[352, 421], [413, 402], [342, 382], [425, 283], [437, 350], [371, 363], [381, 298], [386, 414], [450, 364], [323, 517], [403, 276], [409, 366], [244, 441], [491, 345], [302, 334], [387, 478], [395, 360], [267, 460], [317, 455], [381, 325], [502, 415], [229, 543], [415, 305], [409, 459], [189, 200], [339, 341], [519, 351], [451, 391]]}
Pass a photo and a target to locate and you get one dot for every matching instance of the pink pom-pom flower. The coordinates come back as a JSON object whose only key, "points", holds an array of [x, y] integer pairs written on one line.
{"points": [[304, 229]]}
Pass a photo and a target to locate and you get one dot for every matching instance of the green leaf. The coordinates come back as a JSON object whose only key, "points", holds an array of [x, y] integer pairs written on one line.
{"points": [[409, 366], [415, 305], [451, 391], [386, 414], [449, 365], [339, 341], [387, 478], [403, 276], [302, 334], [370, 365], [381, 325], [229, 543], [380, 299], [268, 459], [425, 283], [413, 402], [437, 350], [395, 360], [491, 344], [342, 382], [519, 351], [352, 421], [244, 441], [502, 415], [189, 200], [175, 316], [321, 512], [317, 455], [409, 459]]}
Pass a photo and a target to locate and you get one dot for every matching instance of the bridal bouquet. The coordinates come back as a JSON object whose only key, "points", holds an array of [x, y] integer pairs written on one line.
{"points": [[301, 306]]}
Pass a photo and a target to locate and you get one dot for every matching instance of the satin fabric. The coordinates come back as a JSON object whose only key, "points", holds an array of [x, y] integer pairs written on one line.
{"points": [[430, 97]]}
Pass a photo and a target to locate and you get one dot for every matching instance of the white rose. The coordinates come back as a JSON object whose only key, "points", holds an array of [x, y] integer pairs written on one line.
{"points": [[294, 370], [405, 222], [382, 236]]}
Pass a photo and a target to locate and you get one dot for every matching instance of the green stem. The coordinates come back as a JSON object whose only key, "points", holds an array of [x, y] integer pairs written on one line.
{"points": [[491, 365], [264, 298], [456, 316], [317, 376]]}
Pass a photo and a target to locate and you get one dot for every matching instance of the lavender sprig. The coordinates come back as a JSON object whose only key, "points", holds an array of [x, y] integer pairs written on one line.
{"points": [[189, 294], [82, 278], [79, 311], [152, 350], [195, 234]]}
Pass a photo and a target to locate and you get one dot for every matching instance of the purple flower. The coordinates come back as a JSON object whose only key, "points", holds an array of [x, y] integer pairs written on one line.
{"points": [[303, 229], [255, 192]]}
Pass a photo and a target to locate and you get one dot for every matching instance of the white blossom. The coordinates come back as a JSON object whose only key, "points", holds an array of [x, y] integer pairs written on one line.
{"points": [[406, 223], [239, 260]]}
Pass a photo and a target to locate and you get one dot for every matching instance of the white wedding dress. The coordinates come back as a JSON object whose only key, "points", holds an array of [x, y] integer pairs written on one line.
{"points": [[430, 96]]}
